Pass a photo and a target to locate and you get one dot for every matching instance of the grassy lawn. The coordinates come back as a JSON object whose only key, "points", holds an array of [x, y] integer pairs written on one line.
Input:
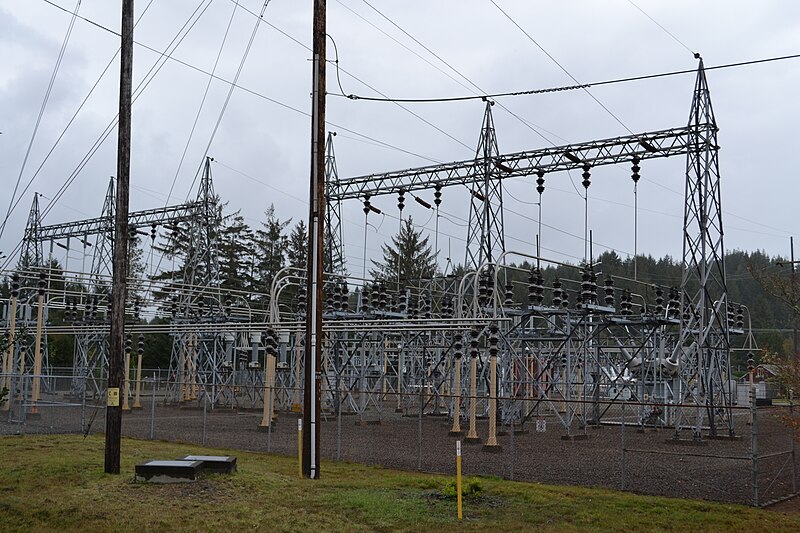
{"points": [[56, 483]]}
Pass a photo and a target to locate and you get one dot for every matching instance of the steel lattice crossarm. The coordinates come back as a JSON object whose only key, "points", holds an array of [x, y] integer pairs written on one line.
{"points": [[138, 219], [651, 145]]}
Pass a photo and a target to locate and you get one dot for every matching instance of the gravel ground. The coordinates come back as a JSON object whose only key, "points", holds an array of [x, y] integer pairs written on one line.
{"points": [[651, 465]]}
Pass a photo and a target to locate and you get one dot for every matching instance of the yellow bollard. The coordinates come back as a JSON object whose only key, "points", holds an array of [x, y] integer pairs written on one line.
{"points": [[300, 448], [458, 477]]}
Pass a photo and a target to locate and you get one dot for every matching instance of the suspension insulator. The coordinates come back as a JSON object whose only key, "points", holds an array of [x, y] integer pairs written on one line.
{"points": [[586, 175], [540, 181], [42, 283], [367, 205], [509, 295], [740, 317], [635, 169], [437, 194], [15, 285], [401, 200]]}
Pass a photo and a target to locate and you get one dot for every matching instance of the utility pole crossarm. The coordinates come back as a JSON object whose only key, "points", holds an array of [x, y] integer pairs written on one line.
{"points": [[650, 145]]}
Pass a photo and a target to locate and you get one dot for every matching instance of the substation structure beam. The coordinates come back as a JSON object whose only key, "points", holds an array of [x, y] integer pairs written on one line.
{"points": [[648, 145]]}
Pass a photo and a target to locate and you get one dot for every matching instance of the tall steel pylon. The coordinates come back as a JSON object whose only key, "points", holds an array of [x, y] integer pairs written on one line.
{"points": [[334, 247], [485, 236], [704, 338], [101, 258], [31, 256]]}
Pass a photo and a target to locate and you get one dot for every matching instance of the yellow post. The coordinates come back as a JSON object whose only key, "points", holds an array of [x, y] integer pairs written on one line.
{"points": [[458, 477], [8, 356], [127, 383], [457, 397], [269, 373], [298, 352], [492, 440], [137, 402], [37, 355], [472, 434], [300, 448]]}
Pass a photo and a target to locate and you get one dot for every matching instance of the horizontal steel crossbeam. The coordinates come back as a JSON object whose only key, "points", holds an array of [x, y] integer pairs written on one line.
{"points": [[137, 219], [651, 145]]}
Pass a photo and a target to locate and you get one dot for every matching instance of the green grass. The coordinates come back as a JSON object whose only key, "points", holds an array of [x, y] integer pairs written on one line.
{"points": [[56, 483]]}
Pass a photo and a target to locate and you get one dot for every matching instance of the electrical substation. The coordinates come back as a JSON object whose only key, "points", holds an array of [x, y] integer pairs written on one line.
{"points": [[462, 347]]}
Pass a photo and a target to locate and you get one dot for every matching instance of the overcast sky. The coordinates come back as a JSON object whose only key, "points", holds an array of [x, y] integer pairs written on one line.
{"points": [[261, 145]]}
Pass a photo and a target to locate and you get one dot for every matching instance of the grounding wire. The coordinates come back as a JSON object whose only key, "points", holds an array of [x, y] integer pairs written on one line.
{"points": [[613, 81], [586, 89], [654, 21], [38, 122]]}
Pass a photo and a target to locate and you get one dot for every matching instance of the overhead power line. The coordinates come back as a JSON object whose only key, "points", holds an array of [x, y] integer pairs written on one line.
{"points": [[570, 87]]}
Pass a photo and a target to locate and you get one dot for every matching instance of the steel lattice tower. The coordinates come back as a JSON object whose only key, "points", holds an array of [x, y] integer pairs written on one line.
{"points": [[704, 337], [31, 256], [334, 252], [485, 237]]}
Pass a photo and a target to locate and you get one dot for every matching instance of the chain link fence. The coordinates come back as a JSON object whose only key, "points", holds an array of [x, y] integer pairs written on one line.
{"points": [[631, 449]]}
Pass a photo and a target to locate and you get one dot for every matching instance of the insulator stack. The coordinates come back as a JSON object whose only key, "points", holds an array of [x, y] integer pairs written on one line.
{"points": [[393, 303], [508, 301], [140, 345], [483, 291], [402, 304], [740, 317], [608, 290], [128, 343], [625, 303], [15, 285], [659, 301], [674, 305], [473, 343], [458, 346], [558, 293], [586, 176], [586, 288], [593, 287], [173, 307], [365, 299], [271, 342], [375, 298], [635, 169], [367, 205], [447, 307], [42, 283], [345, 296], [382, 298], [437, 194], [540, 181], [401, 200]]}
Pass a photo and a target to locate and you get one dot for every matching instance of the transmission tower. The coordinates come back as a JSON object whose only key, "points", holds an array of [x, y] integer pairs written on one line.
{"points": [[704, 336], [485, 237], [334, 252]]}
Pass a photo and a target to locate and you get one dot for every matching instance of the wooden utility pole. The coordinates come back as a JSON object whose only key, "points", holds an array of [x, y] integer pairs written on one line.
{"points": [[316, 218], [120, 251]]}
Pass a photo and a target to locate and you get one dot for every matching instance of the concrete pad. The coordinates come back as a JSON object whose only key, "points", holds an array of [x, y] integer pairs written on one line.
{"points": [[169, 471]]}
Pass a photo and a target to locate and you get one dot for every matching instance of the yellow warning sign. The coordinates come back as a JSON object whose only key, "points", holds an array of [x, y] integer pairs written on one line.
{"points": [[113, 397]]}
